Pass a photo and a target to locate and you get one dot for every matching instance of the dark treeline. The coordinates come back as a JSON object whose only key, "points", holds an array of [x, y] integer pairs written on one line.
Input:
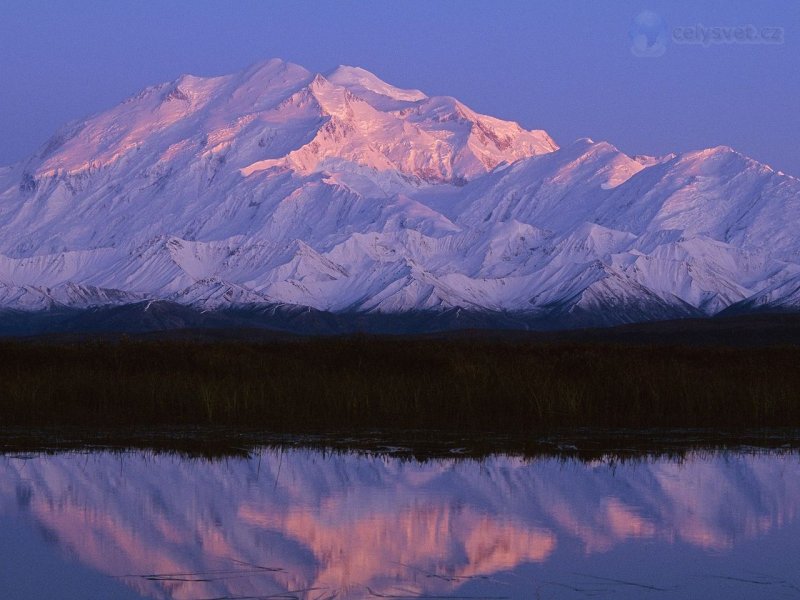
{"points": [[357, 383]]}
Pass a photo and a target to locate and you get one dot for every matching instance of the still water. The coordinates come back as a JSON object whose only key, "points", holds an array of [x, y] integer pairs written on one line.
{"points": [[309, 525]]}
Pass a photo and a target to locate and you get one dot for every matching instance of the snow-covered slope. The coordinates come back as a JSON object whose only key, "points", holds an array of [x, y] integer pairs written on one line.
{"points": [[344, 193]]}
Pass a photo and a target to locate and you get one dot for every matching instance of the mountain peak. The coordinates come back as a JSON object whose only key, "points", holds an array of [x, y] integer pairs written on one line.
{"points": [[362, 82], [272, 66], [719, 158]]}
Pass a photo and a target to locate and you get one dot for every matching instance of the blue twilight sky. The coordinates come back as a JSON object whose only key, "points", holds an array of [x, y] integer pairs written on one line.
{"points": [[566, 66]]}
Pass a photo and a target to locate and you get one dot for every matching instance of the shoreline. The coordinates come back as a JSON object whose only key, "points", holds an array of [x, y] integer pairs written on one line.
{"points": [[581, 444]]}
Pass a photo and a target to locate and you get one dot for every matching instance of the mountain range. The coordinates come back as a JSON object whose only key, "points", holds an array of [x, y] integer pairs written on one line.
{"points": [[278, 192]]}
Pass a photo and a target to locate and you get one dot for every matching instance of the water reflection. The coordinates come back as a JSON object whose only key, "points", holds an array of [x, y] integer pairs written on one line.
{"points": [[301, 524]]}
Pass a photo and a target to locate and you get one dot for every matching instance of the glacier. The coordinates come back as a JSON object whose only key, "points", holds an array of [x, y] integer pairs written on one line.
{"points": [[281, 189]]}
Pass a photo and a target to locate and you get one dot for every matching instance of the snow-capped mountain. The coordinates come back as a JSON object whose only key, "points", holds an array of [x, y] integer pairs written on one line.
{"points": [[342, 193]]}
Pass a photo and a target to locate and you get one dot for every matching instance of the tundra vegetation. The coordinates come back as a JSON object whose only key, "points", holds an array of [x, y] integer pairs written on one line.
{"points": [[361, 383]]}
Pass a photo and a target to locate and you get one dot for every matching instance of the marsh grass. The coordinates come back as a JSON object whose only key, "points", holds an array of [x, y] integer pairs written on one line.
{"points": [[320, 384]]}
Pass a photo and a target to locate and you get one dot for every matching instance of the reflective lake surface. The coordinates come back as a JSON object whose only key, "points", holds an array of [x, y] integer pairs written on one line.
{"points": [[305, 524]]}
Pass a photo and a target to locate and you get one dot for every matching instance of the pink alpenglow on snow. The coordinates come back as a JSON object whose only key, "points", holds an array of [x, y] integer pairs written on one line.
{"points": [[343, 193]]}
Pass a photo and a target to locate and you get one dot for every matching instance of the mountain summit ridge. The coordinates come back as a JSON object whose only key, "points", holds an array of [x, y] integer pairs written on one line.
{"points": [[343, 193]]}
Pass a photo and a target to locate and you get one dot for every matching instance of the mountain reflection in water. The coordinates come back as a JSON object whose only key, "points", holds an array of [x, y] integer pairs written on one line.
{"points": [[300, 523]]}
